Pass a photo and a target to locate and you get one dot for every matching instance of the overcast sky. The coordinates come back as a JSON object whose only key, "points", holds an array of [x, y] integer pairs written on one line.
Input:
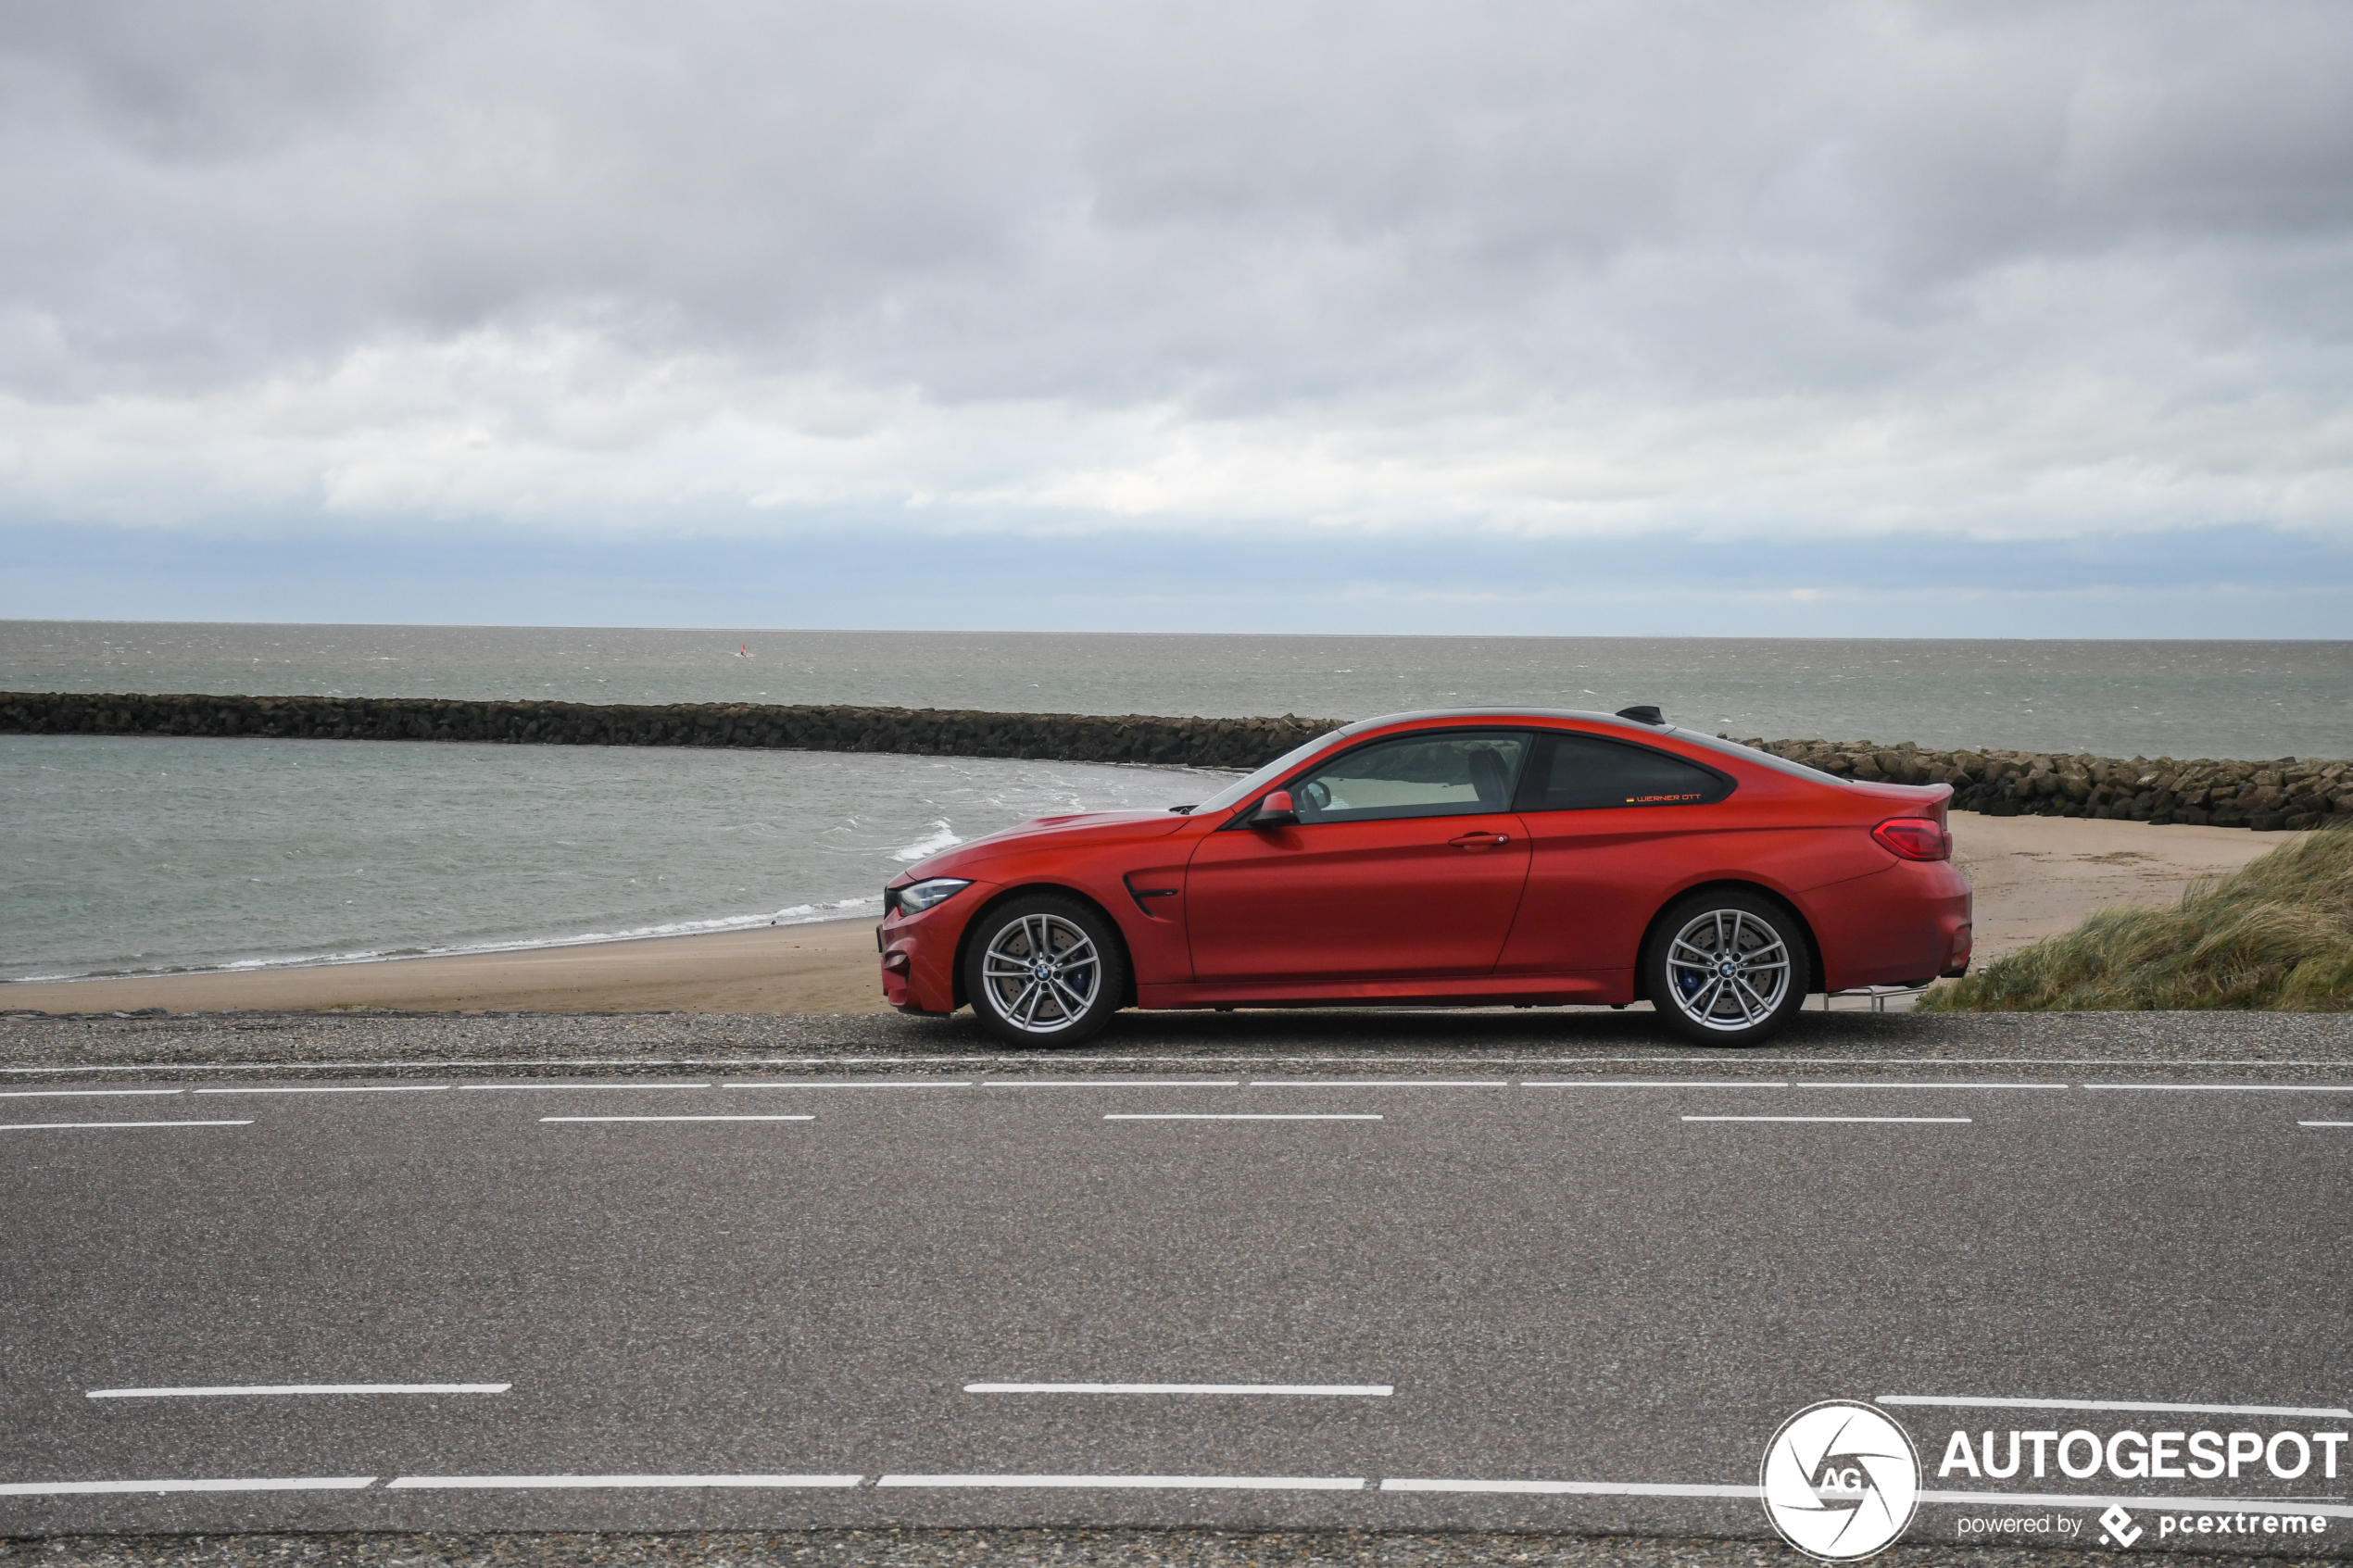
{"points": [[1647, 318]]}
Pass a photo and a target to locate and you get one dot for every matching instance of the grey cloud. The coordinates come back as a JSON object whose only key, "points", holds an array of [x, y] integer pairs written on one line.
{"points": [[1331, 217]]}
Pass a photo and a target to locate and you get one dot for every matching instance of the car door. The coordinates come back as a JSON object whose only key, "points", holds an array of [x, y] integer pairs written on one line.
{"points": [[1406, 862], [1612, 826]]}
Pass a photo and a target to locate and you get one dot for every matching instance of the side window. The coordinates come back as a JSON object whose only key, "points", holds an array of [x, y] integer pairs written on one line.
{"points": [[1455, 773], [1580, 772]]}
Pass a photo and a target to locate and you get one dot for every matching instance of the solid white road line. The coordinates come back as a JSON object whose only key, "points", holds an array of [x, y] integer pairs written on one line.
{"points": [[2325, 1124], [338, 1089], [2238, 1088], [678, 1118], [1582, 1488], [1369, 1390], [1110, 1082], [1654, 1083], [1837, 1083], [1973, 1402], [239, 1483], [1243, 1116], [920, 1084], [1750, 1490], [616, 1083], [241, 1388], [1143, 1483], [1380, 1082], [1935, 1120], [599, 1482], [79, 1094], [91, 1126]]}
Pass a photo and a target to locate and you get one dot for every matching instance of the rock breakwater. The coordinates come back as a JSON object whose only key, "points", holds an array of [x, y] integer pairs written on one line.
{"points": [[2284, 793], [926, 731]]}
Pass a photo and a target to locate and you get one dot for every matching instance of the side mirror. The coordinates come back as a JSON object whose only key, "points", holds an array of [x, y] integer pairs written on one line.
{"points": [[1275, 811]]}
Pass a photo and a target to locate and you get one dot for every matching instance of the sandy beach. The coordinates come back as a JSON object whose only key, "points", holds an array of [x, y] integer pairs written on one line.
{"points": [[2033, 876]]}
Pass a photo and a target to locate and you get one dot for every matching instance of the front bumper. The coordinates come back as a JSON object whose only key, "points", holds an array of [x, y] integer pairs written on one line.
{"points": [[918, 952]]}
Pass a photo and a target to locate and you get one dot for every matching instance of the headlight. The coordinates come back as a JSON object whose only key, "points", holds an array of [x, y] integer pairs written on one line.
{"points": [[922, 895]]}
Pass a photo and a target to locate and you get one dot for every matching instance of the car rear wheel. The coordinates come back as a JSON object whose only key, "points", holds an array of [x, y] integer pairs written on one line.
{"points": [[1726, 967], [1044, 970]]}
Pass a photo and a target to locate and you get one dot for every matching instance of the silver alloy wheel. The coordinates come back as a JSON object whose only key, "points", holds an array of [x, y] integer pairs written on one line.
{"points": [[1042, 973], [1727, 970]]}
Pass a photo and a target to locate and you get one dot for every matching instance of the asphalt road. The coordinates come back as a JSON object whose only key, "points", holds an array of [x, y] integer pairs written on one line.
{"points": [[1565, 1297]]}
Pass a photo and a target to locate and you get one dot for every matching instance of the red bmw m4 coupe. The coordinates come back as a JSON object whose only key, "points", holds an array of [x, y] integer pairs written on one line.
{"points": [[1478, 858]]}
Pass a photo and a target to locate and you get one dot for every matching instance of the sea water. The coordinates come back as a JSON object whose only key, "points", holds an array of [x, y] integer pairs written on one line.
{"points": [[2115, 699], [128, 856], [133, 856]]}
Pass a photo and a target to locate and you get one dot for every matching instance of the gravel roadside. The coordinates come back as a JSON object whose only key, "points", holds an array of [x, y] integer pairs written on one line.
{"points": [[35, 1045], [1017, 1548]]}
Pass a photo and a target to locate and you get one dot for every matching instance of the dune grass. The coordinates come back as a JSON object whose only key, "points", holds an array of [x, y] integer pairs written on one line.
{"points": [[2276, 935]]}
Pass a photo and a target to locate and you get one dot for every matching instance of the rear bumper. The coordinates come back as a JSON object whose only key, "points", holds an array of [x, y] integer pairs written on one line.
{"points": [[1904, 925]]}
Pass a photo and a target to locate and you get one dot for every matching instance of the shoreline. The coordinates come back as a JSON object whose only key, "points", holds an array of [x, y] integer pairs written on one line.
{"points": [[2035, 876], [520, 947]]}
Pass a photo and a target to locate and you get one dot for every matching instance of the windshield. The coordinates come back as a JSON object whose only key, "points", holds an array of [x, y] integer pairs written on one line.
{"points": [[1240, 790], [1750, 754]]}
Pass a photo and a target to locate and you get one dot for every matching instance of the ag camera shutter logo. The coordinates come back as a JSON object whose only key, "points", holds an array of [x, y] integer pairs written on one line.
{"points": [[1840, 1481]]}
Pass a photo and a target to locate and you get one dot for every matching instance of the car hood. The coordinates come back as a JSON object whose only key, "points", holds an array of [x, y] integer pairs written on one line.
{"points": [[1072, 831]]}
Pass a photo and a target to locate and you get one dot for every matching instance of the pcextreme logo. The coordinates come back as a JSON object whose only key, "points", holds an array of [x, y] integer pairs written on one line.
{"points": [[1840, 1481]]}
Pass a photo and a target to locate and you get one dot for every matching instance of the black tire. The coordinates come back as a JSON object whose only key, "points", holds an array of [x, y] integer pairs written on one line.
{"points": [[1715, 961], [1067, 997]]}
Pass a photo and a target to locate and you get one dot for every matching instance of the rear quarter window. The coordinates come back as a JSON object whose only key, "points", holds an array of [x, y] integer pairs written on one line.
{"points": [[1582, 772]]}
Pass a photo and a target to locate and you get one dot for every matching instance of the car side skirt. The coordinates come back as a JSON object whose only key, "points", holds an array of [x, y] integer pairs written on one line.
{"points": [[1586, 988]]}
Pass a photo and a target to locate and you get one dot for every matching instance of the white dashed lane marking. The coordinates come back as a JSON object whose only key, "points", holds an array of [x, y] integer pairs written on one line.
{"points": [[337, 1089], [1380, 1082], [238, 1389], [78, 1094], [1111, 1082], [1655, 1084], [97, 1126], [2233, 1089], [1827, 1084], [854, 1084], [1243, 1116], [1945, 1121], [1140, 1483], [240, 1483], [1580, 1488], [1359, 1390], [801, 1117], [619, 1084], [599, 1483]]}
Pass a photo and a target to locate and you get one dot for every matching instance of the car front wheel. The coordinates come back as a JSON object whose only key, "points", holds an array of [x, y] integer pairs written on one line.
{"points": [[1726, 967], [1044, 970]]}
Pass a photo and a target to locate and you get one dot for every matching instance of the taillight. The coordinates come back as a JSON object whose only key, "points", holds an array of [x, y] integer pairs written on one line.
{"points": [[1915, 838]]}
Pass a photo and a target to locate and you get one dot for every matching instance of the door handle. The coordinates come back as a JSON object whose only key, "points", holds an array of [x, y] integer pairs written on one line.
{"points": [[1481, 841]]}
